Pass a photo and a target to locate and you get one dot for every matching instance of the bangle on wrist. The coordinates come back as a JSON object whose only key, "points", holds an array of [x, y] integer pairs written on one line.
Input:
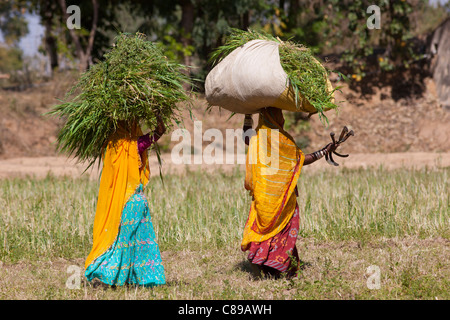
{"points": [[318, 154]]}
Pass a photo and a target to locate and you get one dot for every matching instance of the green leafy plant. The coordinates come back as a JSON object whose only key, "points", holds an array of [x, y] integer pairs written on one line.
{"points": [[133, 83], [395, 36]]}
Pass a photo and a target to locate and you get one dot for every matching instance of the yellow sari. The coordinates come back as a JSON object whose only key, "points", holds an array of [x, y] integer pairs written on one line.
{"points": [[272, 169], [123, 172]]}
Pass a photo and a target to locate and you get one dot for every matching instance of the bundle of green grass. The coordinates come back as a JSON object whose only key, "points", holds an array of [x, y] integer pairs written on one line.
{"points": [[253, 70], [134, 83]]}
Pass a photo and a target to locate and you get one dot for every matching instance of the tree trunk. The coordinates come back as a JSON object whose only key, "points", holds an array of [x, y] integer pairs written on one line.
{"points": [[245, 20], [187, 25], [47, 9], [51, 48], [84, 55], [294, 7]]}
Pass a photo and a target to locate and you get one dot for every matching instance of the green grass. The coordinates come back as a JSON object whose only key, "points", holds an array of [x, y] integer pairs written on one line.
{"points": [[133, 83], [350, 219]]}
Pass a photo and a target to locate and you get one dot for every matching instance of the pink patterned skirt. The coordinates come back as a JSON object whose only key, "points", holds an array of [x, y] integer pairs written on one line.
{"points": [[277, 251]]}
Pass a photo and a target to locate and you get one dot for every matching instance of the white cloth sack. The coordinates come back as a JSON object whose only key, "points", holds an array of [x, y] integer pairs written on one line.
{"points": [[248, 79]]}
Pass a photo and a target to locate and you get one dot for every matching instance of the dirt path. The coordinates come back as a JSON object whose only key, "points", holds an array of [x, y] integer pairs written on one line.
{"points": [[59, 166]]}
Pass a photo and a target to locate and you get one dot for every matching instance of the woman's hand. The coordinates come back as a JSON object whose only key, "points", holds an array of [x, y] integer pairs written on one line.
{"points": [[313, 157], [330, 149]]}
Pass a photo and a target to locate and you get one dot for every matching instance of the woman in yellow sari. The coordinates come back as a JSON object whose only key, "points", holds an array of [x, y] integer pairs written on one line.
{"points": [[124, 249], [273, 167]]}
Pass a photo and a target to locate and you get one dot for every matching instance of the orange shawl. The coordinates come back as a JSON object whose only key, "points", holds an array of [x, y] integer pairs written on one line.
{"points": [[123, 172], [272, 169]]}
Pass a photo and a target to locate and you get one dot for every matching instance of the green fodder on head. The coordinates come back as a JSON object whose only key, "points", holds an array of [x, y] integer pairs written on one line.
{"points": [[133, 83], [306, 76]]}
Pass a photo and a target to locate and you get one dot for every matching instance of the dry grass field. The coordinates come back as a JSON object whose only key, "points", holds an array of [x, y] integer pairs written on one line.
{"points": [[396, 220], [386, 208]]}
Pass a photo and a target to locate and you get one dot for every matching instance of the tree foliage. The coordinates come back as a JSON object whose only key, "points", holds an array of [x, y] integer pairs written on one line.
{"points": [[13, 24], [189, 30]]}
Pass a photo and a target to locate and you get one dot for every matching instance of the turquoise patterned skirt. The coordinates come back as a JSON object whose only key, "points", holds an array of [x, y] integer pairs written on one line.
{"points": [[134, 257]]}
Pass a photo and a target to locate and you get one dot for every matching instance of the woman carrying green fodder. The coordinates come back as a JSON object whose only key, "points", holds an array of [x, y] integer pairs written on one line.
{"points": [[135, 84], [257, 73]]}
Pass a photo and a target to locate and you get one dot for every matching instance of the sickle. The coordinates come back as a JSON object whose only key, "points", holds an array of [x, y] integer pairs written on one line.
{"points": [[345, 134], [330, 160]]}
